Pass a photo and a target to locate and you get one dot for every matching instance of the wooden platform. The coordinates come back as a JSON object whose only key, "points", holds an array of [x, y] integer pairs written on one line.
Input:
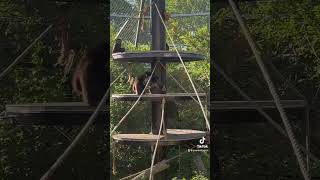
{"points": [[266, 104], [234, 112], [157, 97], [165, 56], [70, 113], [77, 113], [174, 137]]}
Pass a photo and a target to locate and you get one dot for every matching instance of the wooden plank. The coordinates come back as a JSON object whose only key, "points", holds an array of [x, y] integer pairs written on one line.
{"points": [[77, 113], [147, 57], [267, 104], [215, 105], [173, 137], [65, 113], [157, 97], [68, 107], [79, 107]]}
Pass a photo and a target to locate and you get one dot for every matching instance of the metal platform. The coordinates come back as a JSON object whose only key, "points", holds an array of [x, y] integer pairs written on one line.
{"points": [[174, 137], [70, 113], [157, 97], [164, 56]]}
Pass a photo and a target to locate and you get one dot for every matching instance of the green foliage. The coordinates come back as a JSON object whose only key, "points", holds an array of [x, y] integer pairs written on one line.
{"points": [[199, 177], [290, 32], [196, 177]]}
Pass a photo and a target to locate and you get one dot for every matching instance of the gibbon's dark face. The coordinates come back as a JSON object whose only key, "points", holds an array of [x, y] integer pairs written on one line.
{"points": [[118, 41]]}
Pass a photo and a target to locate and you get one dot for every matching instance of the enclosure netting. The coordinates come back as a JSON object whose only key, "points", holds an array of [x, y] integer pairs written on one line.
{"points": [[184, 15]]}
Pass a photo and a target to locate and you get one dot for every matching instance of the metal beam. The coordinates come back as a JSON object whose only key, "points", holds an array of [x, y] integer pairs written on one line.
{"points": [[158, 42]]}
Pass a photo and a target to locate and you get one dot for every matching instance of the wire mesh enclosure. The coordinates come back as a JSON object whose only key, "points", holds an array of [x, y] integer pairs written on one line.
{"points": [[182, 16]]}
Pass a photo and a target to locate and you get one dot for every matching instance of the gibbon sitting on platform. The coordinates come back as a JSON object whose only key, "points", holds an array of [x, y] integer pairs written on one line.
{"points": [[117, 47]]}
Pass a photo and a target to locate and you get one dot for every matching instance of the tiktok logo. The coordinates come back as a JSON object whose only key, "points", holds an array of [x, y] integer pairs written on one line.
{"points": [[201, 141], [202, 145]]}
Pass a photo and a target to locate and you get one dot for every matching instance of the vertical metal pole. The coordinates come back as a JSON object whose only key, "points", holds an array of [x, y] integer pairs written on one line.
{"points": [[158, 43], [139, 23], [307, 133]]}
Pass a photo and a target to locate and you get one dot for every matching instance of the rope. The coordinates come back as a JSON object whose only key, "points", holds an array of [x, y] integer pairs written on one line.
{"points": [[185, 68], [128, 18], [125, 116], [179, 84], [272, 91], [166, 161], [307, 117], [15, 61], [81, 134], [160, 129], [124, 24], [259, 109]]}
